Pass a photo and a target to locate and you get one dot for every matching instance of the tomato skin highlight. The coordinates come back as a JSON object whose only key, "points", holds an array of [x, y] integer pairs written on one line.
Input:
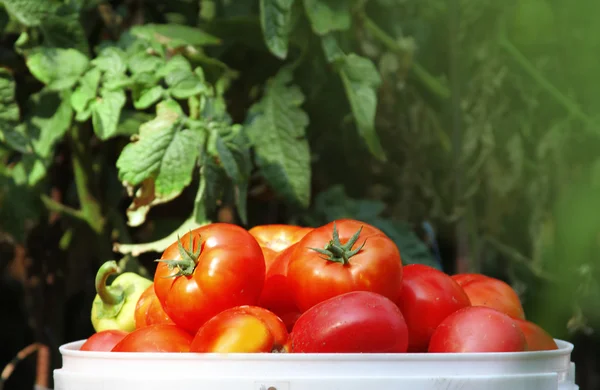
{"points": [[490, 292], [155, 338], [229, 272], [104, 340], [377, 267], [274, 239], [478, 329], [537, 338], [242, 329], [149, 311], [355, 322], [427, 297]]}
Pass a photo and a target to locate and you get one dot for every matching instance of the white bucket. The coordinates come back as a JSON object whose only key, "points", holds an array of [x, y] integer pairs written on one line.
{"points": [[544, 370]]}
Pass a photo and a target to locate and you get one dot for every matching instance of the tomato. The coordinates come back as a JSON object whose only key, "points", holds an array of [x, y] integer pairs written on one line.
{"points": [[276, 294], [427, 297], [148, 310], [273, 239], [104, 340], [242, 329], [477, 329], [537, 338], [211, 269], [156, 338], [321, 267], [491, 292], [355, 322]]}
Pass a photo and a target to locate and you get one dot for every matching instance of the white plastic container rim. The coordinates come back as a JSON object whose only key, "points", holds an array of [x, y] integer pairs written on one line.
{"points": [[535, 370]]}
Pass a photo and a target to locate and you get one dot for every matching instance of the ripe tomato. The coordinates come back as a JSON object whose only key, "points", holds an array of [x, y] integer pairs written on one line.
{"points": [[104, 340], [242, 329], [273, 239], [427, 297], [211, 269], [276, 294], [491, 292], [537, 338], [148, 310], [355, 322], [340, 257], [477, 329], [155, 338]]}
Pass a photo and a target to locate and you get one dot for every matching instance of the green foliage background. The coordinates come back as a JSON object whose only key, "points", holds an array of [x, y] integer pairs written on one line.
{"points": [[135, 120]]}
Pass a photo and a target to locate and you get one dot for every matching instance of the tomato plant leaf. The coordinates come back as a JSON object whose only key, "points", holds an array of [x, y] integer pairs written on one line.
{"points": [[328, 15], [175, 35], [29, 12], [59, 69], [277, 132], [361, 79], [12, 131], [63, 29], [85, 93], [49, 119], [275, 21], [106, 112], [147, 97], [184, 83], [161, 160], [21, 206]]}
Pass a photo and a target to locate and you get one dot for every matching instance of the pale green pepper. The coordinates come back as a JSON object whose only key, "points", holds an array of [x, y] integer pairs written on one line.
{"points": [[114, 305]]}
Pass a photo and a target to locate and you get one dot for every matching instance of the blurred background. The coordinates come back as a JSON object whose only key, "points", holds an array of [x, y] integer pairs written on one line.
{"points": [[467, 130]]}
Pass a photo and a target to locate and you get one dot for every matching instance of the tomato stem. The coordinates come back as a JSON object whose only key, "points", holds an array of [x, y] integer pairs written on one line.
{"points": [[112, 295], [336, 252], [187, 263]]}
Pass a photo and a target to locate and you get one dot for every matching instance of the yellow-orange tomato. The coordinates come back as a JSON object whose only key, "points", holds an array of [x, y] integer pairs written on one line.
{"points": [[242, 329]]}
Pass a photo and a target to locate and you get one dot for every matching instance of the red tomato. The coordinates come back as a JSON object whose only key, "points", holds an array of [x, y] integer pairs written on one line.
{"points": [[427, 297], [340, 257], [276, 294], [156, 338], [491, 292], [477, 329], [355, 322], [104, 340], [242, 329], [148, 310], [537, 338], [273, 239], [213, 268]]}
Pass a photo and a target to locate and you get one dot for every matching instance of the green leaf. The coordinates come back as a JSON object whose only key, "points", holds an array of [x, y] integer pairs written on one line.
{"points": [[57, 68], [29, 12], [333, 52], [49, 119], [11, 130], [112, 61], [175, 35], [361, 79], [85, 93], [106, 112], [131, 120], [328, 15], [163, 152], [275, 21], [184, 84], [20, 206], [277, 132], [148, 97], [62, 29], [144, 62]]}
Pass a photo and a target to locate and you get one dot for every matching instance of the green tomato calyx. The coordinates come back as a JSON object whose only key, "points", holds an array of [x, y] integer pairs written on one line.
{"points": [[337, 252], [186, 265]]}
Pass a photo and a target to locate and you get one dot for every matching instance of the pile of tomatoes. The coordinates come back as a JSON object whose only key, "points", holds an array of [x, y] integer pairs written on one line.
{"points": [[338, 288]]}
